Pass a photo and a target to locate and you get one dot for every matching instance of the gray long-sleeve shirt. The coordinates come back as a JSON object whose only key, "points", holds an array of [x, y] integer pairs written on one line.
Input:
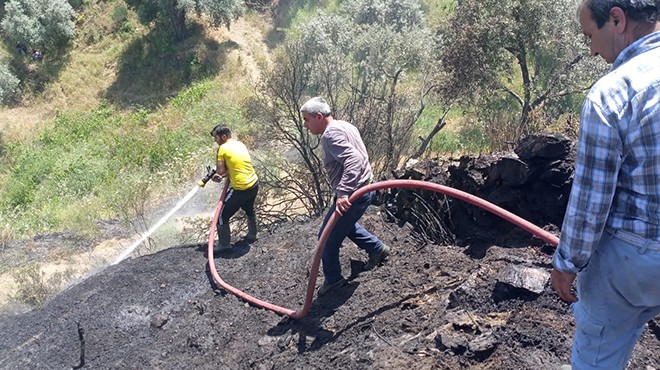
{"points": [[346, 160]]}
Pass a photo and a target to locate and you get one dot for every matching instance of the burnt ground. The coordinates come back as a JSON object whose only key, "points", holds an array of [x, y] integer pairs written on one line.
{"points": [[486, 304]]}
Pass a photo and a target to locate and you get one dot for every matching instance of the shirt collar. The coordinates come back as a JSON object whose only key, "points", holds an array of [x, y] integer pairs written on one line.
{"points": [[641, 46]]}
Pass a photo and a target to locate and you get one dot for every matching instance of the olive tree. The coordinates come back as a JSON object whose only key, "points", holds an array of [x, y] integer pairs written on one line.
{"points": [[39, 23], [527, 54], [373, 60], [294, 167], [8, 83], [173, 13]]}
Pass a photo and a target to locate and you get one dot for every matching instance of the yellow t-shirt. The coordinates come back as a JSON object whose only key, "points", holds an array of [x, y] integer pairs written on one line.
{"points": [[239, 164]]}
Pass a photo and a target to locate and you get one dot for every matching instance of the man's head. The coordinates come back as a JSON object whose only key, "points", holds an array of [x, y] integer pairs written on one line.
{"points": [[221, 133], [316, 114], [612, 25]]}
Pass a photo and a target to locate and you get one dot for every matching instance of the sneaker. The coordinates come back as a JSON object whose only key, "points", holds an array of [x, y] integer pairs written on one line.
{"points": [[376, 258], [250, 238], [326, 288]]}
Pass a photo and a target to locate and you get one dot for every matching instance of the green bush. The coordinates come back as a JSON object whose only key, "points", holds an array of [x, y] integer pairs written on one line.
{"points": [[8, 84], [119, 14], [191, 95], [39, 24]]}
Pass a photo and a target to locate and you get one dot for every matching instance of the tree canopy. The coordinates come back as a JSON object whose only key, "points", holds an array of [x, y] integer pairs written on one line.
{"points": [[372, 60], [8, 83], [173, 13], [527, 52], [40, 24]]}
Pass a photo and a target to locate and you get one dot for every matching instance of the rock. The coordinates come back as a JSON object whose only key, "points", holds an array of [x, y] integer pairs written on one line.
{"points": [[457, 343], [527, 278], [158, 320], [483, 345]]}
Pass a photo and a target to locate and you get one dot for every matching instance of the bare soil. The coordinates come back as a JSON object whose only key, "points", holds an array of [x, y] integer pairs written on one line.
{"points": [[427, 307]]}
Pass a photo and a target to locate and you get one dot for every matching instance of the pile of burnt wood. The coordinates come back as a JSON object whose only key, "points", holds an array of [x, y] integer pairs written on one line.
{"points": [[533, 181]]}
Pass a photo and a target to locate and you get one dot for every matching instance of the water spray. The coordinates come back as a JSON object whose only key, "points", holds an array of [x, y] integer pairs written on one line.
{"points": [[209, 174]]}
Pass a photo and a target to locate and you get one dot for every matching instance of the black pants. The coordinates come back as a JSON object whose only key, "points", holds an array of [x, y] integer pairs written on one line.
{"points": [[235, 200]]}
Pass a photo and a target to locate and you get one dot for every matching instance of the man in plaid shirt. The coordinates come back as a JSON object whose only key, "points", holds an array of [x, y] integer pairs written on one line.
{"points": [[611, 232]]}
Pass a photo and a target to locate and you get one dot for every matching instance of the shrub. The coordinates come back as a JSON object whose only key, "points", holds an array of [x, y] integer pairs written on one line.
{"points": [[8, 83], [38, 23], [33, 287]]}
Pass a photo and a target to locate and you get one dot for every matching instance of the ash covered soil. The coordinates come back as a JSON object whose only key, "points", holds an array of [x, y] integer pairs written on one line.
{"points": [[427, 307], [477, 296]]}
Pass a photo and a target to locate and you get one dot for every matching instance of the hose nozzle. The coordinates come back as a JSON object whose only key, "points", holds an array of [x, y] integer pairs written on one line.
{"points": [[209, 174]]}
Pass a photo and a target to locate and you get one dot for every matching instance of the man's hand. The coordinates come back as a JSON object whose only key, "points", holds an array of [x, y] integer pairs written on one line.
{"points": [[562, 283], [342, 205]]}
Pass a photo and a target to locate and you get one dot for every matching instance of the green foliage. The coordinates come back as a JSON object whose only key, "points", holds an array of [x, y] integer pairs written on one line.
{"points": [[88, 155], [8, 84], [192, 95], [173, 13], [119, 14], [377, 66], [120, 20], [526, 54], [39, 24], [446, 142]]}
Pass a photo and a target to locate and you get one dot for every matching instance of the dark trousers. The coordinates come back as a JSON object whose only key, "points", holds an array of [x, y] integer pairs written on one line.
{"points": [[347, 226], [235, 200]]}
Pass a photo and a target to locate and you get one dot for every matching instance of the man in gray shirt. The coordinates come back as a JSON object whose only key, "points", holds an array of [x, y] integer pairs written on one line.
{"points": [[347, 163]]}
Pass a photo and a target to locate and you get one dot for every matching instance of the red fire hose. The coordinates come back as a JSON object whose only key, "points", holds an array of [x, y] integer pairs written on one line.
{"points": [[407, 184]]}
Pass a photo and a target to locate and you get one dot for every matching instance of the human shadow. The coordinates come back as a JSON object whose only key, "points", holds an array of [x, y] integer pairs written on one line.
{"points": [[237, 250], [325, 306], [154, 68], [310, 325]]}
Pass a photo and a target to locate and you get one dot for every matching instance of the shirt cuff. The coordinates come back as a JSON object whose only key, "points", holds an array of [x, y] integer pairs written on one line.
{"points": [[562, 264]]}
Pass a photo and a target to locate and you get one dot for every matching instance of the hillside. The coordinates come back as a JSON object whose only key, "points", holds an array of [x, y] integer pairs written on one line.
{"points": [[486, 304], [428, 307], [100, 70]]}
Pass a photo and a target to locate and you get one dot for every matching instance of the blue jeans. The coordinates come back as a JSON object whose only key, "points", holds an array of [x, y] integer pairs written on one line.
{"points": [[618, 294], [347, 226]]}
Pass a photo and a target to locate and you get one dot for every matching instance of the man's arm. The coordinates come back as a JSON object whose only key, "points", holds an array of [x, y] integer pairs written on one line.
{"points": [[220, 171], [594, 185]]}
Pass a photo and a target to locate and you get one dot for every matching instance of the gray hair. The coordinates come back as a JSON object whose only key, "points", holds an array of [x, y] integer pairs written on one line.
{"points": [[316, 105], [645, 11]]}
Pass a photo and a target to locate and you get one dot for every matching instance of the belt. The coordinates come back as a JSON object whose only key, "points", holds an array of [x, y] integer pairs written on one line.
{"points": [[635, 240]]}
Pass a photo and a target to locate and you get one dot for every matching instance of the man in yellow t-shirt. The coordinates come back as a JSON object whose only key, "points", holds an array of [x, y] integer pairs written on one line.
{"points": [[234, 161]]}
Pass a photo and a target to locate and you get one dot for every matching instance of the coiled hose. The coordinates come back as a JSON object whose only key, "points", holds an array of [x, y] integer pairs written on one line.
{"points": [[320, 246]]}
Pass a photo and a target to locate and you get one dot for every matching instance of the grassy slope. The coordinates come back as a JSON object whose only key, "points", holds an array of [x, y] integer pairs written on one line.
{"points": [[114, 94], [148, 87]]}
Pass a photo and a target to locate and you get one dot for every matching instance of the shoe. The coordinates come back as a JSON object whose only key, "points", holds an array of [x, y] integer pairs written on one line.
{"points": [[221, 248], [376, 258], [250, 238], [326, 288]]}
